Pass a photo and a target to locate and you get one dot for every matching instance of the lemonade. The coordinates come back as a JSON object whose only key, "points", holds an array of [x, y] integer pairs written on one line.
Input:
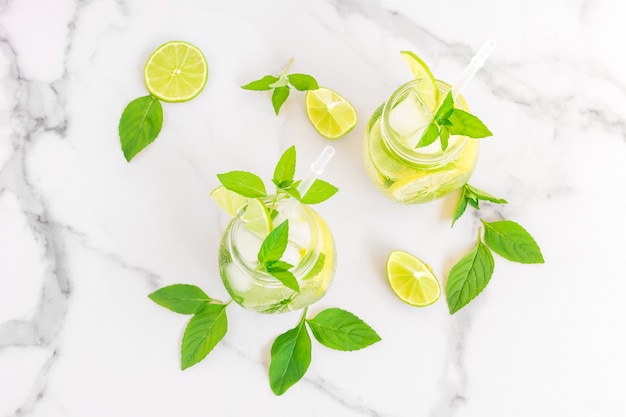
{"points": [[407, 174], [310, 248]]}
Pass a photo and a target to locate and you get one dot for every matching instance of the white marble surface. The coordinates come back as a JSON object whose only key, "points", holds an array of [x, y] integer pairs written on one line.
{"points": [[85, 236]]}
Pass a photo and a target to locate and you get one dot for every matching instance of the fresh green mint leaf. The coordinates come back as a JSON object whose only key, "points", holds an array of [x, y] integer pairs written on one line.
{"points": [[205, 329], [290, 358], [469, 277], [483, 195], [139, 125], [261, 84], [320, 191], [342, 330], [282, 273], [274, 244], [303, 82], [285, 168], [461, 206], [243, 183], [467, 124], [279, 97], [431, 135], [181, 298], [444, 135], [444, 111], [511, 241]]}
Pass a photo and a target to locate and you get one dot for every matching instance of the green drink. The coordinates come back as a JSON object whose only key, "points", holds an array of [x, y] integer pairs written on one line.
{"points": [[407, 174], [310, 248]]}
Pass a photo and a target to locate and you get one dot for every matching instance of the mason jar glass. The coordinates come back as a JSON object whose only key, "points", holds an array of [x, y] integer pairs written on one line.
{"points": [[310, 249], [407, 174]]}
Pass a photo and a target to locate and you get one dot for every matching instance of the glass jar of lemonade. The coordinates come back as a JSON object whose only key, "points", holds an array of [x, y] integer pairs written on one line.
{"points": [[310, 249], [407, 174]]}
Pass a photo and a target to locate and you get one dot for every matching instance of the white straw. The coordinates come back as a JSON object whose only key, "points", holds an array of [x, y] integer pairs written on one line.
{"points": [[317, 169], [475, 64]]}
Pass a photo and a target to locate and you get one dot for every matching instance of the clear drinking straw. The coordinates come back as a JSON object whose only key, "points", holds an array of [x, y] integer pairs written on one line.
{"points": [[475, 64], [317, 169]]}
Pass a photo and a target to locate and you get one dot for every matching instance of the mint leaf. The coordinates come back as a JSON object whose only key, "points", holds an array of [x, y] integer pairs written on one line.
{"points": [[303, 82], [444, 111], [511, 241], [139, 125], [444, 135], [460, 208], [467, 124], [181, 298], [261, 84], [279, 96], [320, 191], [483, 195], [243, 183], [274, 244], [205, 329], [290, 358], [280, 271], [285, 168], [469, 277], [342, 330], [431, 135]]}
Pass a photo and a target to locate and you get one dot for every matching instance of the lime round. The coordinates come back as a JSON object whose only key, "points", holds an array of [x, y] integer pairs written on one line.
{"points": [[427, 87], [411, 279], [331, 115], [177, 71], [425, 186]]}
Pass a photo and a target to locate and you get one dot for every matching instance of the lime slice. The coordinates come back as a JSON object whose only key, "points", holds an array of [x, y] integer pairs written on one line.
{"points": [[425, 186], [177, 71], [331, 115], [412, 280], [427, 87], [229, 201], [256, 218]]}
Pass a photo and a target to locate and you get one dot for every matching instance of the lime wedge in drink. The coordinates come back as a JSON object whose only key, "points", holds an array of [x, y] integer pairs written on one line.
{"points": [[177, 71], [331, 115], [255, 216], [411, 279], [427, 88]]}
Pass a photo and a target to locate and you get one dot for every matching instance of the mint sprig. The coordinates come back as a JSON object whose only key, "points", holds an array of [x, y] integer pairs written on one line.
{"points": [[472, 196], [449, 120], [470, 275], [334, 328], [282, 84], [207, 326]]}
